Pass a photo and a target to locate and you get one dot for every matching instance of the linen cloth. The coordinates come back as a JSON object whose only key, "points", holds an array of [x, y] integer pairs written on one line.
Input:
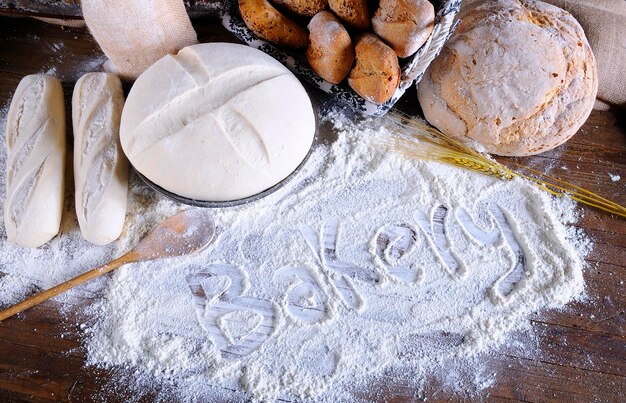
{"points": [[134, 34]]}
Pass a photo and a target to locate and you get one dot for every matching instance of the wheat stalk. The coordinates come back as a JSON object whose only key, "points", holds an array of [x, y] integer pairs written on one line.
{"points": [[417, 139]]}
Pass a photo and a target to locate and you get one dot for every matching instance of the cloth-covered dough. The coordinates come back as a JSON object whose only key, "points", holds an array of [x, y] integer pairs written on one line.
{"points": [[100, 167], [217, 122], [35, 169], [518, 76]]}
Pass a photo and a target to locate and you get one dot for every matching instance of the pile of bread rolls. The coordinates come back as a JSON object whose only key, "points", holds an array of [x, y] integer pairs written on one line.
{"points": [[347, 38]]}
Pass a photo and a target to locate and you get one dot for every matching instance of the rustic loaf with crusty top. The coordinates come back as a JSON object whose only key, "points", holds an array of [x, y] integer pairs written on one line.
{"points": [[518, 76]]}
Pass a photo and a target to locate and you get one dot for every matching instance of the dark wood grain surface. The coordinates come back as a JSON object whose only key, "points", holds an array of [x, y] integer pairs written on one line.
{"points": [[70, 9], [574, 354]]}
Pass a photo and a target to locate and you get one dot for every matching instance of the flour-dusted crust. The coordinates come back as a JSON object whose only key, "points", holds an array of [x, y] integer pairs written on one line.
{"points": [[35, 161], [376, 73], [405, 25], [100, 167], [518, 76], [330, 53], [217, 122]]}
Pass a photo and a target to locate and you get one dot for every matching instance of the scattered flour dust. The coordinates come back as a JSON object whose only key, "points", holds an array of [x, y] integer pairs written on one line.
{"points": [[365, 264]]}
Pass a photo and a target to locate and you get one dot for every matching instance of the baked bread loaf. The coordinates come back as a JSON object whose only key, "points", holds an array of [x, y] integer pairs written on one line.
{"points": [[35, 161], [100, 166], [376, 74], [405, 25], [353, 12], [330, 52], [217, 122], [270, 24], [303, 7], [519, 77]]}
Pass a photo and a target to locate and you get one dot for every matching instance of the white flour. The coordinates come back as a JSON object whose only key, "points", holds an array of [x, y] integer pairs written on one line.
{"points": [[366, 263]]}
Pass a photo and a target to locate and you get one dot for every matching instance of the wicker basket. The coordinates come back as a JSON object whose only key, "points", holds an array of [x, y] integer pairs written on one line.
{"points": [[413, 68]]}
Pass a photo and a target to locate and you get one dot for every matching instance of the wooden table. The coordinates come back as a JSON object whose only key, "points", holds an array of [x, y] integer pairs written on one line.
{"points": [[576, 354]]}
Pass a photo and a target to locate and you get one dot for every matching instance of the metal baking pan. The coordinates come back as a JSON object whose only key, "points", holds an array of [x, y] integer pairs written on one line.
{"points": [[245, 200]]}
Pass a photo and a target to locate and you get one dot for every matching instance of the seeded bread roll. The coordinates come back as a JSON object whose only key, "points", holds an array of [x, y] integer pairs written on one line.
{"points": [[376, 74], [268, 23], [35, 175], [405, 25], [517, 76], [303, 7], [353, 12], [330, 52], [100, 166]]}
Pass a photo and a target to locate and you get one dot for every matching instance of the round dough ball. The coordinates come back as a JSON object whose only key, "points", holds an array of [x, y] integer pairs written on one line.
{"points": [[519, 77], [217, 122]]}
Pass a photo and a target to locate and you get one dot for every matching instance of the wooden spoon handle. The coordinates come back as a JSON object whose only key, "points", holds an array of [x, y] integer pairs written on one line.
{"points": [[54, 291]]}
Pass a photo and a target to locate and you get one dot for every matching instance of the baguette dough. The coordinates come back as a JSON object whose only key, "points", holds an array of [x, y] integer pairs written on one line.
{"points": [[35, 161], [100, 167], [217, 122], [517, 76]]}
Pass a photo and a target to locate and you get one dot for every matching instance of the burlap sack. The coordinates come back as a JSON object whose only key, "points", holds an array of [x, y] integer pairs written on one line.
{"points": [[604, 22], [134, 34]]}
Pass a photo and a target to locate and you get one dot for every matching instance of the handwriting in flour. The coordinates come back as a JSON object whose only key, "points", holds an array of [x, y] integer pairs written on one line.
{"points": [[391, 244], [306, 300], [311, 291], [240, 324], [434, 229], [339, 275], [237, 324], [502, 234]]}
